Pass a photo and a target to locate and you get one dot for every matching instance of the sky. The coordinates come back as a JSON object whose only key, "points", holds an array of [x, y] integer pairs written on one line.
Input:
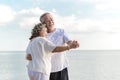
{"points": [[94, 23]]}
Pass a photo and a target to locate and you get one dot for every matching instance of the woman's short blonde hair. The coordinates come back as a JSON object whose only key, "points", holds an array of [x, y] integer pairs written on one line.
{"points": [[37, 28]]}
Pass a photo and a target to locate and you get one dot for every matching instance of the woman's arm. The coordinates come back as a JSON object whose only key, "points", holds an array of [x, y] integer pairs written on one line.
{"points": [[61, 48], [72, 45]]}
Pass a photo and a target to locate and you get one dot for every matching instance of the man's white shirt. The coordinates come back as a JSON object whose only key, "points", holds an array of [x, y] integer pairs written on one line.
{"points": [[58, 61]]}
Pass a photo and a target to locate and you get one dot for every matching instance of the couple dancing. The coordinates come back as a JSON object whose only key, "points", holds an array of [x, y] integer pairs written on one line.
{"points": [[45, 51]]}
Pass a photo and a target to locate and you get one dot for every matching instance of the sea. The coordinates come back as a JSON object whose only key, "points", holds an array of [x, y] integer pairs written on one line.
{"points": [[83, 65]]}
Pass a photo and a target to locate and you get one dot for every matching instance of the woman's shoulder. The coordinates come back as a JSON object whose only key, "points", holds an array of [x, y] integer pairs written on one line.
{"points": [[39, 39]]}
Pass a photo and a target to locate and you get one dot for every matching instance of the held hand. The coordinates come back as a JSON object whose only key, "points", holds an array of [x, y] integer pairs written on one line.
{"points": [[29, 57], [77, 44], [74, 44]]}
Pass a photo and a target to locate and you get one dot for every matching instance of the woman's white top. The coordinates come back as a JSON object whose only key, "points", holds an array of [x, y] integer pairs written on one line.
{"points": [[40, 49]]}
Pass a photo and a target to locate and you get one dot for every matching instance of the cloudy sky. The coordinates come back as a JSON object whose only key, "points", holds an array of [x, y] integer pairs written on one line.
{"points": [[94, 23]]}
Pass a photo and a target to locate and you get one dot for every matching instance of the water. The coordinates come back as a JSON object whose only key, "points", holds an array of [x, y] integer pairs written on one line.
{"points": [[83, 65], [13, 66], [95, 65]]}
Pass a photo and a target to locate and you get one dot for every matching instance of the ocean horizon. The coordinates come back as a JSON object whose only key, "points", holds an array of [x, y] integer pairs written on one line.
{"points": [[83, 65]]}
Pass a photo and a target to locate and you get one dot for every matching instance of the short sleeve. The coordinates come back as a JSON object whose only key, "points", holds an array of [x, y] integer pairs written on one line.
{"points": [[49, 46], [66, 37]]}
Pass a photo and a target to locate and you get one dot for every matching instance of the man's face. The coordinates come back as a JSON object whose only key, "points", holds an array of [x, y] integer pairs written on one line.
{"points": [[48, 20]]}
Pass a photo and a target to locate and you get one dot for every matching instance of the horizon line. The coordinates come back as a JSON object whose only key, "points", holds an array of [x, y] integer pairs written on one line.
{"points": [[70, 50]]}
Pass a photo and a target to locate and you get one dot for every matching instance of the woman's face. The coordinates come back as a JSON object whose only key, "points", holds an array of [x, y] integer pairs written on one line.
{"points": [[43, 32]]}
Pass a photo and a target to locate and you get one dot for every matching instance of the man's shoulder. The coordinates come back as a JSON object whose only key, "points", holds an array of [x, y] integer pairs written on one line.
{"points": [[61, 30]]}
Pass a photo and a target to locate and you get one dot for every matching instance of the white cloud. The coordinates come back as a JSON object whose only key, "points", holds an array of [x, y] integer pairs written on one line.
{"points": [[32, 12], [6, 14], [28, 22], [54, 10], [108, 7], [73, 24], [29, 17], [105, 6], [102, 6]]}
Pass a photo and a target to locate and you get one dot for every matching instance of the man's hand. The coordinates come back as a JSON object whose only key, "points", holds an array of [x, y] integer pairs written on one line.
{"points": [[29, 57], [76, 43]]}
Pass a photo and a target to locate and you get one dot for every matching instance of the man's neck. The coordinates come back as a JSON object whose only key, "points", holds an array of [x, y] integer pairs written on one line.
{"points": [[51, 30]]}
